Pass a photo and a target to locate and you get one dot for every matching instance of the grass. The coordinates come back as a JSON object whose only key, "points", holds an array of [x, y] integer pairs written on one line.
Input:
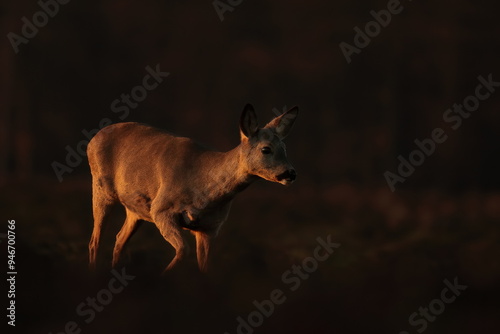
{"points": [[396, 250]]}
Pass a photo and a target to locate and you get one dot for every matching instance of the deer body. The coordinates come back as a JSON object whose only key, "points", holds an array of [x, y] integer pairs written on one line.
{"points": [[177, 183]]}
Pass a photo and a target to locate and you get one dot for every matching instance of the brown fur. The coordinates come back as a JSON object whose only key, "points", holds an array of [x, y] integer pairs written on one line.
{"points": [[176, 183]]}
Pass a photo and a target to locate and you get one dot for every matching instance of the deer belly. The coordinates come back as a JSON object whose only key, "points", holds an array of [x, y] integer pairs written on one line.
{"points": [[200, 221], [138, 203]]}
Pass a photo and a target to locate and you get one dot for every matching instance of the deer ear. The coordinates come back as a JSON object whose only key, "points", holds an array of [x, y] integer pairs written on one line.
{"points": [[282, 124], [248, 122]]}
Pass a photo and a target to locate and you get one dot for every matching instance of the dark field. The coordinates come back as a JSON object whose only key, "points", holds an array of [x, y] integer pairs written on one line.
{"points": [[395, 253], [338, 252]]}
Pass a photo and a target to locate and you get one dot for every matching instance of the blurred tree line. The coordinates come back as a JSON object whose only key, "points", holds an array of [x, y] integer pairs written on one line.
{"points": [[355, 118]]}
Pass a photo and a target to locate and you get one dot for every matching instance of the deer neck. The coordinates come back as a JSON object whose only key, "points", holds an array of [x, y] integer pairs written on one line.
{"points": [[225, 175]]}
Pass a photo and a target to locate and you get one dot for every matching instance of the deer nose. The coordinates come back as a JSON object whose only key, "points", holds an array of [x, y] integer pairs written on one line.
{"points": [[289, 175]]}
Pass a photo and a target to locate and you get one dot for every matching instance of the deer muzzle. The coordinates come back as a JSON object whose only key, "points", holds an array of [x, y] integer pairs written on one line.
{"points": [[288, 177]]}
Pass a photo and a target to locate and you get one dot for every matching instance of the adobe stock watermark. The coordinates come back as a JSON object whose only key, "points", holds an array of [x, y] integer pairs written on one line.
{"points": [[293, 279], [436, 306], [89, 308], [453, 116], [120, 106], [372, 29], [49, 9], [222, 6]]}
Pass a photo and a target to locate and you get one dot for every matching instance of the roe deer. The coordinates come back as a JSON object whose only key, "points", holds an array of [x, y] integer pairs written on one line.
{"points": [[178, 184]]}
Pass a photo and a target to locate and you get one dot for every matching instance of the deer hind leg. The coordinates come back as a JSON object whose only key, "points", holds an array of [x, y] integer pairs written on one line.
{"points": [[132, 223], [202, 248], [172, 233], [101, 208]]}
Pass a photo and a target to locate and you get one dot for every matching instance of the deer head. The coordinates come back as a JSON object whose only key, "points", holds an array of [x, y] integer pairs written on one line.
{"points": [[262, 150]]}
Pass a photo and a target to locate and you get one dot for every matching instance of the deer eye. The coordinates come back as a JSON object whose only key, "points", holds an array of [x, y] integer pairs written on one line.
{"points": [[266, 150]]}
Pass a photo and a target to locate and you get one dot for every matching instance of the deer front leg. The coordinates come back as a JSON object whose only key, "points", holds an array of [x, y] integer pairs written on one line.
{"points": [[171, 232], [203, 241]]}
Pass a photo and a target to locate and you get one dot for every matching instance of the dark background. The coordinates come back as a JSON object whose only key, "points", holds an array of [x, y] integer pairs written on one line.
{"points": [[355, 119]]}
